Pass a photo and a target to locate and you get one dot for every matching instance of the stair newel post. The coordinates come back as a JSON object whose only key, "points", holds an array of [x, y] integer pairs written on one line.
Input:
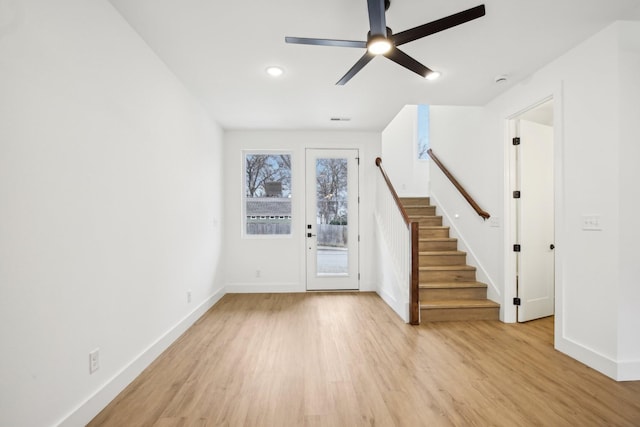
{"points": [[414, 310]]}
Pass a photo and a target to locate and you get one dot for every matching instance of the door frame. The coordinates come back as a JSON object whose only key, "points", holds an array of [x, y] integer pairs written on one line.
{"points": [[531, 100], [525, 181], [353, 212]]}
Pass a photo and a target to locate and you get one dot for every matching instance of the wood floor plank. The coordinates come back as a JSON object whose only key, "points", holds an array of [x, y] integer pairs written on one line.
{"points": [[345, 359]]}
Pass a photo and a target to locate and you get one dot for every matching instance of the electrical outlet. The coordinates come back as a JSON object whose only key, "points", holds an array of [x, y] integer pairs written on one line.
{"points": [[94, 360], [189, 296]]}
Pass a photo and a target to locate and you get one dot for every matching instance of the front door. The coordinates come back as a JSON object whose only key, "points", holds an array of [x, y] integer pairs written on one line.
{"points": [[331, 228]]}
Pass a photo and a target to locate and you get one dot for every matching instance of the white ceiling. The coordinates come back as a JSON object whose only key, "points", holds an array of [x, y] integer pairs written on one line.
{"points": [[220, 49]]}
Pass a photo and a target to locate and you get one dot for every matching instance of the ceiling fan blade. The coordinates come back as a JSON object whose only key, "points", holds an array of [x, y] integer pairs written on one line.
{"points": [[401, 58], [438, 25], [357, 67], [377, 20], [326, 42]]}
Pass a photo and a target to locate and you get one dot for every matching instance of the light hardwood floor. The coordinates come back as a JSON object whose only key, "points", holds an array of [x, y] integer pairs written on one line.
{"points": [[345, 359]]}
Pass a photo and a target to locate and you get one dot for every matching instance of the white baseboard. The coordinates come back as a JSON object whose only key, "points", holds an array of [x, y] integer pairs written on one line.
{"points": [[264, 288], [629, 370], [589, 357], [101, 398], [619, 370]]}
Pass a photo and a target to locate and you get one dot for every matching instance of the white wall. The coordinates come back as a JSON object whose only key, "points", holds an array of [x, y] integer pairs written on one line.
{"points": [[110, 205], [595, 153], [409, 175], [281, 260], [456, 135]]}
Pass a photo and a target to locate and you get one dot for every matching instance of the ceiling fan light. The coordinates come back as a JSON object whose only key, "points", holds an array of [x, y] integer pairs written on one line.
{"points": [[434, 75], [379, 45]]}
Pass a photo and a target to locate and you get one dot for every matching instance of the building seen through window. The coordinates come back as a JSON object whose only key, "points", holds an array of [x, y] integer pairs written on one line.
{"points": [[267, 194]]}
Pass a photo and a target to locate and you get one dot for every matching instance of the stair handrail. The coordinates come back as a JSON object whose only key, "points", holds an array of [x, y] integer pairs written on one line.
{"points": [[414, 285], [393, 192], [484, 214]]}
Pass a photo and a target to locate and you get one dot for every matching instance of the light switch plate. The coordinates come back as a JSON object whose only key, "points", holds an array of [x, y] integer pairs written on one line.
{"points": [[591, 222]]}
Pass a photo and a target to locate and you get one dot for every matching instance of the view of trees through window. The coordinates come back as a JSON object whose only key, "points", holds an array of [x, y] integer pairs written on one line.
{"points": [[267, 193], [331, 188], [423, 132], [261, 169]]}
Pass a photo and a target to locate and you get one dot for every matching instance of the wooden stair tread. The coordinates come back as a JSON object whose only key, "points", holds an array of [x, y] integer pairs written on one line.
{"points": [[438, 253], [417, 216], [415, 199], [433, 227], [452, 285], [462, 304], [448, 267], [437, 239]]}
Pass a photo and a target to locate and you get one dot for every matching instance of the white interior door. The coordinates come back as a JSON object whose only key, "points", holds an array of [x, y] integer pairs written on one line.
{"points": [[536, 283], [332, 219]]}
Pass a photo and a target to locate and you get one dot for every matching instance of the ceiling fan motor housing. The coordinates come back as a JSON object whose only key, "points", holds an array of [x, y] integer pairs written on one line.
{"points": [[389, 34]]}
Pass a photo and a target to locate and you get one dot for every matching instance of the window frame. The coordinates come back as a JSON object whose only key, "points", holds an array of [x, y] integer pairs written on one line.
{"points": [[427, 132], [244, 198]]}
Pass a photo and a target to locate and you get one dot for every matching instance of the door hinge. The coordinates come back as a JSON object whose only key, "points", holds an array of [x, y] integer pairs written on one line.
{"points": [[358, 237], [358, 276], [516, 301], [358, 159], [516, 140], [516, 248], [516, 194]]}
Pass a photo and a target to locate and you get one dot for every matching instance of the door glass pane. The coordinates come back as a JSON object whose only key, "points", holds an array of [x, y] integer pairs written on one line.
{"points": [[332, 216]]}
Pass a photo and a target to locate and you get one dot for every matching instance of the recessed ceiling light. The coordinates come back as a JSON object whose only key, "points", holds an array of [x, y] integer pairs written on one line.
{"points": [[275, 71], [434, 75]]}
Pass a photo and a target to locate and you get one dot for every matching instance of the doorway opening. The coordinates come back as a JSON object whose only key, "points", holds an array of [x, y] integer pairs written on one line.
{"points": [[533, 226]]}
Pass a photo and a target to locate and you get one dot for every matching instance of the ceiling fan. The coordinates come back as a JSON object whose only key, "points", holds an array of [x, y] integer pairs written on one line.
{"points": [[382, 41]]}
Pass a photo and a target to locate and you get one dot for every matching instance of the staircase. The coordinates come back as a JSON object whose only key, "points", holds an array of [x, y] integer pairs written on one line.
{"points": [[448, 286]]}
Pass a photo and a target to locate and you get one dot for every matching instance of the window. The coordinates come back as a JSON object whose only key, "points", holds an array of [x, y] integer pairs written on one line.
{"points": [[267, 193], [423, 132]]}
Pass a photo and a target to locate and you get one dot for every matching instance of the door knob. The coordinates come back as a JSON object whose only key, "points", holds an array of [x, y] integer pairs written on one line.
{"points": [[552, 246]]}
